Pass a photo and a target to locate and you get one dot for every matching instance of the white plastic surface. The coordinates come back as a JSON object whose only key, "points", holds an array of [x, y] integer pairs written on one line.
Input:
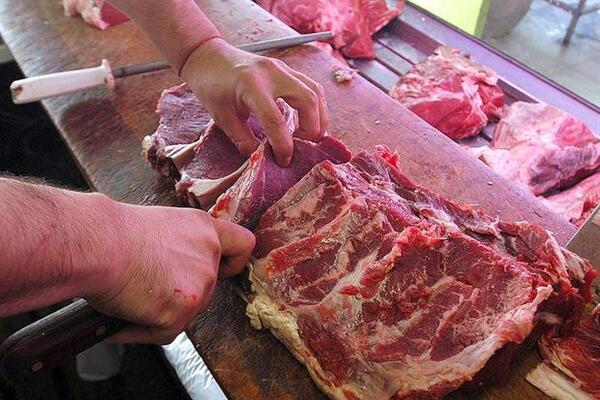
{"points": [[191, 370], [40, 87]]}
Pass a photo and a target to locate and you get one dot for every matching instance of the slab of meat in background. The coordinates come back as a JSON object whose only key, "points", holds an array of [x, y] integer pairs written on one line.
{"points": [[451, 92], [571, 367], [373, 283], [98, 13], [352, 22], [541, 147], [577, 203]]}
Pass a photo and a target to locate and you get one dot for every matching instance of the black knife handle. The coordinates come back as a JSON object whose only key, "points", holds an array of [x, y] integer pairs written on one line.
{"points": [[46, 343]]}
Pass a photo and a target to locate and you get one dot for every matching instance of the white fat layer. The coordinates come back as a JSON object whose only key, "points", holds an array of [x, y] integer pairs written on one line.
{"points": [[265, 313], [554, 384]]}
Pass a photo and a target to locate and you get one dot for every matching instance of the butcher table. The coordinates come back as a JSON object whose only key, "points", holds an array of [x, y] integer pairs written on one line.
{"points": [[103, 129]]}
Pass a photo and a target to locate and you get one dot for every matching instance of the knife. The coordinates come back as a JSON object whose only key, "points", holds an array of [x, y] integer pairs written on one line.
{"points": [[44, 344], [43, 86]]}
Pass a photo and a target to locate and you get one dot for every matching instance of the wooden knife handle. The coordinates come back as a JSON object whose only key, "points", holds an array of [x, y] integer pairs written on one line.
{"points": [[46, 343]]}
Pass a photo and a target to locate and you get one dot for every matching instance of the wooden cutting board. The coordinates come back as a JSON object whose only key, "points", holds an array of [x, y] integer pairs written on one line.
{"points": [[103, 130]]}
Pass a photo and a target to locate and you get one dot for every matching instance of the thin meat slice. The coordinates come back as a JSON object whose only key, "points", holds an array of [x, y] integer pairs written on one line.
{"points": [[324, 194], [541, 147], [577, 203], [571, 367], [451, 92], [352, 22], [305, 271], [264, 181], [182, 121], [208, 167]]}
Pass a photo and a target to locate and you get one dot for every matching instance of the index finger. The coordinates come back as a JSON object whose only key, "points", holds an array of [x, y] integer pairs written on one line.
{"points": [[273, 122], [237, 244]]}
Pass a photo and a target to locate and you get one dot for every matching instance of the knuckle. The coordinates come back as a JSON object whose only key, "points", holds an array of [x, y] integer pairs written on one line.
{"points": [[312, 99], [320, 89], [269, 63], [246, 75], [274, 119], [165, 338]]}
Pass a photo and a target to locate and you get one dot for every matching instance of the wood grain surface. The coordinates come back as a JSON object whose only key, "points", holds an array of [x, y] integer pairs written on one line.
{"points": [[103, 130]]}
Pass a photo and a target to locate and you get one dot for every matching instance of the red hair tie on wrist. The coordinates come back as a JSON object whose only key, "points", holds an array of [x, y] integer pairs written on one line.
{"points": [[194, 48]]}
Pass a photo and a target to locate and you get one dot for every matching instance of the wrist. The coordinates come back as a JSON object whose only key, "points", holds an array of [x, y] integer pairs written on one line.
{"points": [[205, 42], [203, 56], [102, 255]]}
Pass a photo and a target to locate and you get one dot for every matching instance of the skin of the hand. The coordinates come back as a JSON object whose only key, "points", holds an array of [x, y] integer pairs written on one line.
{"points": [[231, 83], [171, 259]]}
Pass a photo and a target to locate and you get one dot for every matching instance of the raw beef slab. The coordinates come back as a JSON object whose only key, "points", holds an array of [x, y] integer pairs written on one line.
{"points": [[98, 13], [384, 289], [451, 92], [352, 22], [572, 364], [541, 147]]}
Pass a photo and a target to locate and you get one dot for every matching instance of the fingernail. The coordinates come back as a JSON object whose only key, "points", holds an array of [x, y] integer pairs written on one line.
{"points": [[287, 161]]}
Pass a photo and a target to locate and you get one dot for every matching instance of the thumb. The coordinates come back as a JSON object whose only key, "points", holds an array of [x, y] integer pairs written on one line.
{"points": [[237, 244]]}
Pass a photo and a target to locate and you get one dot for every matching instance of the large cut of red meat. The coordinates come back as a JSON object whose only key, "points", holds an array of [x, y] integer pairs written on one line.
{"points": [[393, 291], [577, 203], [571, 369], [352, 22], [541, 147], [451, 92]]}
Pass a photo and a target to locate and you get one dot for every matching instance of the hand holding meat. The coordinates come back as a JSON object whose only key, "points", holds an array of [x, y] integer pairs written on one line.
{"points": [[231, 83], [170, 267]]}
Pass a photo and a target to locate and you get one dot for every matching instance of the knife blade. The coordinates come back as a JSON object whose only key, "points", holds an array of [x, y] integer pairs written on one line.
{"points": [[586, 242]]}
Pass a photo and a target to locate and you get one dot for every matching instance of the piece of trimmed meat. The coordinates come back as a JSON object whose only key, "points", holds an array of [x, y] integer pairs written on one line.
{"points": [[263, 182], [571, 367], [182, 119], [576, 203], [541, 147], [451, 92], [98, 13], [352, 22]]}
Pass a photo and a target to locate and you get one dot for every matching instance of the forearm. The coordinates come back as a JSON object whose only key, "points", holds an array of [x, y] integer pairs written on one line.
{"points": [[55, 244], [174, 26]]}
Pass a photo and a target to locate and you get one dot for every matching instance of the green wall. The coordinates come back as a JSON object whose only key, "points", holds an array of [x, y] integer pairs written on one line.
{"points": [[468, 15]]}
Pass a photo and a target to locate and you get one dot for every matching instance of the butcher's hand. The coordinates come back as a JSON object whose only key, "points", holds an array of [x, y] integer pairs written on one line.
{"points": [[231, 83], [173, 257]]}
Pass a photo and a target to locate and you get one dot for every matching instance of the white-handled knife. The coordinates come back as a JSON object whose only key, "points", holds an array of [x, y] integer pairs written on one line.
{"points": [[40, 87]]}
